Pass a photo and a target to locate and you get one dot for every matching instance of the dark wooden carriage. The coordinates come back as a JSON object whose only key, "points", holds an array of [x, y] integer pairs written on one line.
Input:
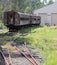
{"points": [[13, 19]]}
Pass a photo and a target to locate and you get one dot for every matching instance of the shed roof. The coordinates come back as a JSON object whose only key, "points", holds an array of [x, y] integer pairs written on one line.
{"points": [[47, 9]]}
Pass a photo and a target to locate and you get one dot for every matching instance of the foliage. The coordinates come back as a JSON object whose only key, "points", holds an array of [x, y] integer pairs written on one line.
{"points": [[50, 2], [45, 41], [21, 5], [2, 26]]}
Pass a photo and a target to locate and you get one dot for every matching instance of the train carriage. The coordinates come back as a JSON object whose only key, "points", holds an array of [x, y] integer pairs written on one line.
{"points": [[13, 19], [36, 19], [24, 18], [10, 17]]}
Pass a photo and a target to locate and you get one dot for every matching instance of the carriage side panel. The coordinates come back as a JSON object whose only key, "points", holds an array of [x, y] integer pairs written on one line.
{"points": [[24, 19]]}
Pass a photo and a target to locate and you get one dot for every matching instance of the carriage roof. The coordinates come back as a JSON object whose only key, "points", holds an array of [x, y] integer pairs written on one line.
{"points": [[22, 14]]}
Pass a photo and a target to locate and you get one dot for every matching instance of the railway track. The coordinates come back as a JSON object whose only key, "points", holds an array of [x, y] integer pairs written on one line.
{"points": [[30, 58], [4, 60]]}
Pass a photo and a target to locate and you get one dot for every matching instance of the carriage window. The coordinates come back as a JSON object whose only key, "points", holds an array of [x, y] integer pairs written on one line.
{"points": [[24, 18], [11, 19], [39, 19], [34, 18]]}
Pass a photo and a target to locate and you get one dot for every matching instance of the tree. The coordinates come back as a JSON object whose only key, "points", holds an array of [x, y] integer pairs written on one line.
{"points": [[50, 2], [27, 10], [27, 6]]}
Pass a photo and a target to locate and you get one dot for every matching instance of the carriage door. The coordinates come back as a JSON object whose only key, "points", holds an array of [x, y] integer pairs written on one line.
{"points": [[11, 19], [17, 19]]}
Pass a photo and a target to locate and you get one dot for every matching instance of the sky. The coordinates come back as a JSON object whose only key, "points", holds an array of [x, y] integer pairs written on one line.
{"points": [[47, 0]]}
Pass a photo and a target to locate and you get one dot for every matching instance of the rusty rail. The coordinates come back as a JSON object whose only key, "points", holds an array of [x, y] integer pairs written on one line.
{"points": [[10, 60], [4, 58], [6, 61], [24, 55], [32, 60], [27, 50]]}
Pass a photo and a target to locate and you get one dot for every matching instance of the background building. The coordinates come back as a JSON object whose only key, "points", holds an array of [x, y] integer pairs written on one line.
{"points": [[48, 14]]}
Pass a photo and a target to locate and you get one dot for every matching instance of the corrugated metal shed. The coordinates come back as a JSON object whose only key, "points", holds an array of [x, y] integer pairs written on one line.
{"points": [[48, 14]]}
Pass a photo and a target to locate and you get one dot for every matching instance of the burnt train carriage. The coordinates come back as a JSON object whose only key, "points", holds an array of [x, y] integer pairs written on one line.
{"points": [[13, 19]]}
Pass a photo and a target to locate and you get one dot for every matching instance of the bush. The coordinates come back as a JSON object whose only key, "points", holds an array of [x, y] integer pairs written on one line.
{"points": [[2, 26]]}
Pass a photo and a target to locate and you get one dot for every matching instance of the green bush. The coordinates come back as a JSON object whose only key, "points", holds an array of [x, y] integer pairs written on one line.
{"points": [[2, 26]]}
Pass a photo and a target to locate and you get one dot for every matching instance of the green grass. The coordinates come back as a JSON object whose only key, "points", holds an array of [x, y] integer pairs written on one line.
{"points": [[3, 28], [43, 38], [2, 25]]}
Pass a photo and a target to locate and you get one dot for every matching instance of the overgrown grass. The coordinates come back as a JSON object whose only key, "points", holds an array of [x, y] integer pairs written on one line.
{"points": [[2, 25], [3, 29], [43, 38]]}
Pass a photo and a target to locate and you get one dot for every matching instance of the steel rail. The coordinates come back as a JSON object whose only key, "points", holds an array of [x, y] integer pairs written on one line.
{"points": [[27, 50], [4, 58], [9, 58], [24, 55]]}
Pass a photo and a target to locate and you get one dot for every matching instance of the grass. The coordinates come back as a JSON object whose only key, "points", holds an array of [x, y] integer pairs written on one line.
{"points": [[43, 38], [8, 46], [3, 29], [2, 25]]}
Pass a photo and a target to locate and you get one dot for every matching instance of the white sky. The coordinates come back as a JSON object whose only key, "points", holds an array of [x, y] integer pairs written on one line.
{"points": [[47, 0]]}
